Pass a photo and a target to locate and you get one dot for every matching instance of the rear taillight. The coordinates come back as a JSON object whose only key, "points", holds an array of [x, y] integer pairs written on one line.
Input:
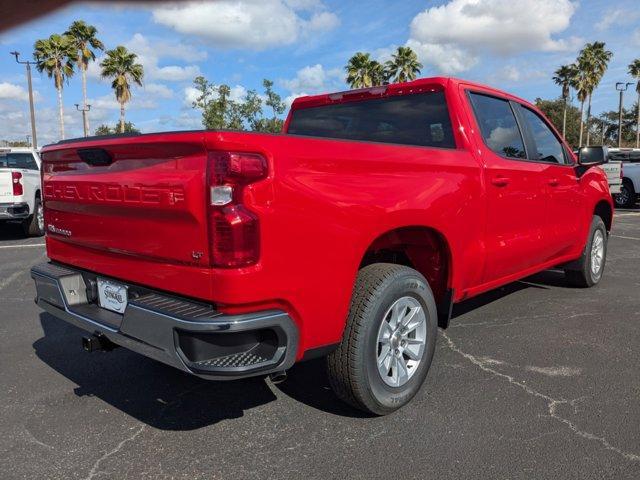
{"points": [[17, 186], [234, 229]]}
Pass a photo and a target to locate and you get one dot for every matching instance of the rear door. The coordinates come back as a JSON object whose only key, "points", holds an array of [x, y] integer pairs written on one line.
{"points": [[561, 185], [515, 202]]}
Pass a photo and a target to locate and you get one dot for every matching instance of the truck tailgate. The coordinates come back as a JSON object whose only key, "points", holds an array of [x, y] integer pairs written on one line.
{"points": [[6, 186], [614, 178], [141, 198]]}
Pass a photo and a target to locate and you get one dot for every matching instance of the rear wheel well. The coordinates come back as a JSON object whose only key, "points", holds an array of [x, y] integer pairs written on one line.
{"points": [[603, 210], [421, 248]]}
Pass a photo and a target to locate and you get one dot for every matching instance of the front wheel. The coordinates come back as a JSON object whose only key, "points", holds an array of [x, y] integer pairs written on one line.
{"points": [[389, 340], [589, 268]]}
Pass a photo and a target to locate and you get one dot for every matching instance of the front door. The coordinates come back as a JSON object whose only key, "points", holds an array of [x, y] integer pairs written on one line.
{"points": [[564, 202]]}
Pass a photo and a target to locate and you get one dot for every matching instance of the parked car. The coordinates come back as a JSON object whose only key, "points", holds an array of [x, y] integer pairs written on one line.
{"points": [[350, 235], [20, 196], [630, 188]]}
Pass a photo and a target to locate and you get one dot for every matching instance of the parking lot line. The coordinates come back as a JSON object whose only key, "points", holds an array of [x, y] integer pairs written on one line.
{"points": [[33, 245], [627, 238]]}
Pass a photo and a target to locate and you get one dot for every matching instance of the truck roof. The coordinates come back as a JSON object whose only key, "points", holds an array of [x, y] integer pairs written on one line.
{"points": [[415, 86], [17, 150]]}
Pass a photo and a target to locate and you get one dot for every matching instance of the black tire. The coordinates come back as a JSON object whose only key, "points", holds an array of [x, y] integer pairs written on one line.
{"points": [[352, 368], [31, 226], [581, 274], [627, 196]]}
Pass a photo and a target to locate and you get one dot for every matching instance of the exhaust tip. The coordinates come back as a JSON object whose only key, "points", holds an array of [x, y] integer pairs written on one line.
{"points": [[278, 377]]}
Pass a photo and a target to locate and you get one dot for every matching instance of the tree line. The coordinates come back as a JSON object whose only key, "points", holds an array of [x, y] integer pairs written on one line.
{"points": [[583, 76], [61, 54], [221, 111]]}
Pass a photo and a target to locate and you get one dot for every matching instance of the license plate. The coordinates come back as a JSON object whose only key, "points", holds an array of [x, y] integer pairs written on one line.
{"points": [[112, 295]]}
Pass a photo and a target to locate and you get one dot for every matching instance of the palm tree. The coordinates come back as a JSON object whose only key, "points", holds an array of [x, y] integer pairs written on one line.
{"points": [[120, 64], [363, 72], [403, 66], [634, 71], [563, 76], [84, 40], [56, 56], [594, 59], [580, 84]]}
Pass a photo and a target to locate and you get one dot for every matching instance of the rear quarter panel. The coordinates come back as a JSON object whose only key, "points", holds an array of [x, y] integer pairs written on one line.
{"points": [[325, 203]]}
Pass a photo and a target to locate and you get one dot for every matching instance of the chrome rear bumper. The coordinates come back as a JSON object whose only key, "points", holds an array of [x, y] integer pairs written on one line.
{"points": [[183, 333]]}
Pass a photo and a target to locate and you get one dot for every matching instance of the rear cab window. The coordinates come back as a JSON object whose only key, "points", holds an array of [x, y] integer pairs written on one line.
{"points": [[420, 119], [18, 160]]}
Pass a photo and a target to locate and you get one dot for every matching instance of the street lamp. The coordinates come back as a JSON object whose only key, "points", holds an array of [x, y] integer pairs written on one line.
{"points": [[84, 111], [33, 115], [621, 87]]}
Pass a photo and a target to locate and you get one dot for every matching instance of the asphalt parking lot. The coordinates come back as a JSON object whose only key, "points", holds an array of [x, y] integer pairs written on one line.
{"points": [[535, 380]]}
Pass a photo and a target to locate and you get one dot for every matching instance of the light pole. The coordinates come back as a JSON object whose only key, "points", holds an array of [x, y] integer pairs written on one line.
{"points": [[31, 107], [621, 87], [84, 111]]}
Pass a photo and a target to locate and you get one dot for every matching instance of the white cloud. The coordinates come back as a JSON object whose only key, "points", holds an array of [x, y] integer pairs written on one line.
{"points": [[191, 94], [289, 99], [158, 90], [152, 53], [254, 24], [453, 35], [510, 73], [618, 17], [11, 91], [304, 4], [313, 78], [324, 21], [635, 36], [447, 59], [139, 101]]}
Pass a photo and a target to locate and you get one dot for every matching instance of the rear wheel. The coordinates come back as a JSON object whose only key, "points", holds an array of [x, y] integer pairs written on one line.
{"points": [[34, 225], [389, 340], [627, 196], [590, 267]]}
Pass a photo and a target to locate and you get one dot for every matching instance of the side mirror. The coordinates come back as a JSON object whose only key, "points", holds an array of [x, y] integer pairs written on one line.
{"points": [[589, 156]]}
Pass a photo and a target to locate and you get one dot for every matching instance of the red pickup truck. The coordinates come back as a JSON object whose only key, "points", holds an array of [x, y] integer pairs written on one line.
{"points": [[350, 235]]}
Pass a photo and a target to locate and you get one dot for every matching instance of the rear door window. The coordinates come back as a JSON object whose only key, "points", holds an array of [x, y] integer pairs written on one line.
{"points": [[498, 125], [416, 119]]}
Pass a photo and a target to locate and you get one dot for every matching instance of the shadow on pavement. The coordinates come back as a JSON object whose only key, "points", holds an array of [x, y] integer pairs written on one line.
{"points": [[158, 395], [168, 399], [11, 231]]}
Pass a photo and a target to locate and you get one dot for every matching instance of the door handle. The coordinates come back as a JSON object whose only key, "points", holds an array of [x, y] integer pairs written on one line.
{"points": [[500, 181], [554, 182]]}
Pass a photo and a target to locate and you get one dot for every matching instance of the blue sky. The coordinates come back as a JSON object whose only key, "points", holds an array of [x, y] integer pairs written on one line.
{"points": [[303, 46]]}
